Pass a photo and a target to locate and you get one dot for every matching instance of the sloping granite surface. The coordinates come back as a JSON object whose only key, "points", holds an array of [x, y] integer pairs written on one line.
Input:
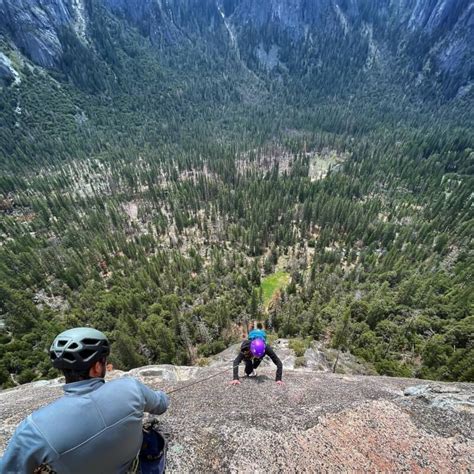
{"points": [[316, 422]]}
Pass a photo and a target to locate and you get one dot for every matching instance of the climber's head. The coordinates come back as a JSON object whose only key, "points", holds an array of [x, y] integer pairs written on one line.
{"points": [[80, 353], [257, 348]]}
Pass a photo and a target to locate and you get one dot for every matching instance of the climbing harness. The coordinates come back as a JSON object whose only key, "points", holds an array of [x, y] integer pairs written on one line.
{"points": [[44, 469], [152, 456]]}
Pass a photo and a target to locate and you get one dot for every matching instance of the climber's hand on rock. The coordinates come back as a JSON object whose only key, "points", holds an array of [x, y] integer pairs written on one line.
{"points": [[280, 382], [235, 382]]}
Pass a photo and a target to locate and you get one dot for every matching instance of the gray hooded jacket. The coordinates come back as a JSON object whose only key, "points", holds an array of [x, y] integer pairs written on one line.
{"points": [[95, 428]]}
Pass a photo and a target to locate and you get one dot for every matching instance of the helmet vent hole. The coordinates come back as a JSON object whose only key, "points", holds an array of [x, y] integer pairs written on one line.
{"points": [[61, 343], [86, 354], [74, 345], [90, 342]]}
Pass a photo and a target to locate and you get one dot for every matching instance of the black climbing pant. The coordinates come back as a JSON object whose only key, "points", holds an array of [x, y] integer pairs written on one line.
{"points": [[252, 363]]}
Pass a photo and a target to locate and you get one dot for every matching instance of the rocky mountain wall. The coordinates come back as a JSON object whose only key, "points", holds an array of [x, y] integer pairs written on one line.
{"points": [[34, 25], [434, 36], [433, 39]]}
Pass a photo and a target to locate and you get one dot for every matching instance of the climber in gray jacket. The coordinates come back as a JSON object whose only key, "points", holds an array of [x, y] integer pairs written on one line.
{"points": [[96, 427]]}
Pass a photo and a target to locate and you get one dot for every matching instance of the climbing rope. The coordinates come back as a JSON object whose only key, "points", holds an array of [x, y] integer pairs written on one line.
{"points": [[202, 380]]}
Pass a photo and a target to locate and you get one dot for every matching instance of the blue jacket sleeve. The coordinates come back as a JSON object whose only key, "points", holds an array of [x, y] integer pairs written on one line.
{"points": [[26, 450], [156, 402]]}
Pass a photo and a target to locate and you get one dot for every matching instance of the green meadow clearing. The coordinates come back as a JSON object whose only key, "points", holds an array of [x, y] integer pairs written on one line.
{"points": [[271, 284]]}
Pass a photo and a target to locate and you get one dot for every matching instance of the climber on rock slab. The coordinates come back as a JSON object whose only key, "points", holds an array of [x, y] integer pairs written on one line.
{"points": [[252, 353]]}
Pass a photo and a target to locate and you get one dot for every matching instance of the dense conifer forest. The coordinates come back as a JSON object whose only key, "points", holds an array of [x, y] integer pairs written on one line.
{"points": [[149, 192]]}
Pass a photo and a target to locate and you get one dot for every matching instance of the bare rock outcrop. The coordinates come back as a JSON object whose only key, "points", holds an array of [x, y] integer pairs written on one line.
{"points": [[316, 422], [34, 27], [7, 72]]}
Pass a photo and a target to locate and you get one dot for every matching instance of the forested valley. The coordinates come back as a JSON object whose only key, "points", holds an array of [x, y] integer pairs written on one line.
{"points": [[150, 192]]}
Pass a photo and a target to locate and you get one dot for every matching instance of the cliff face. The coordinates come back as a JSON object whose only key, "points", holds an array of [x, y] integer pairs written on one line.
{"points": [[150, 17], [435, 39], [448, 28], [317, 422], [415, 15], [34, 25]]}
